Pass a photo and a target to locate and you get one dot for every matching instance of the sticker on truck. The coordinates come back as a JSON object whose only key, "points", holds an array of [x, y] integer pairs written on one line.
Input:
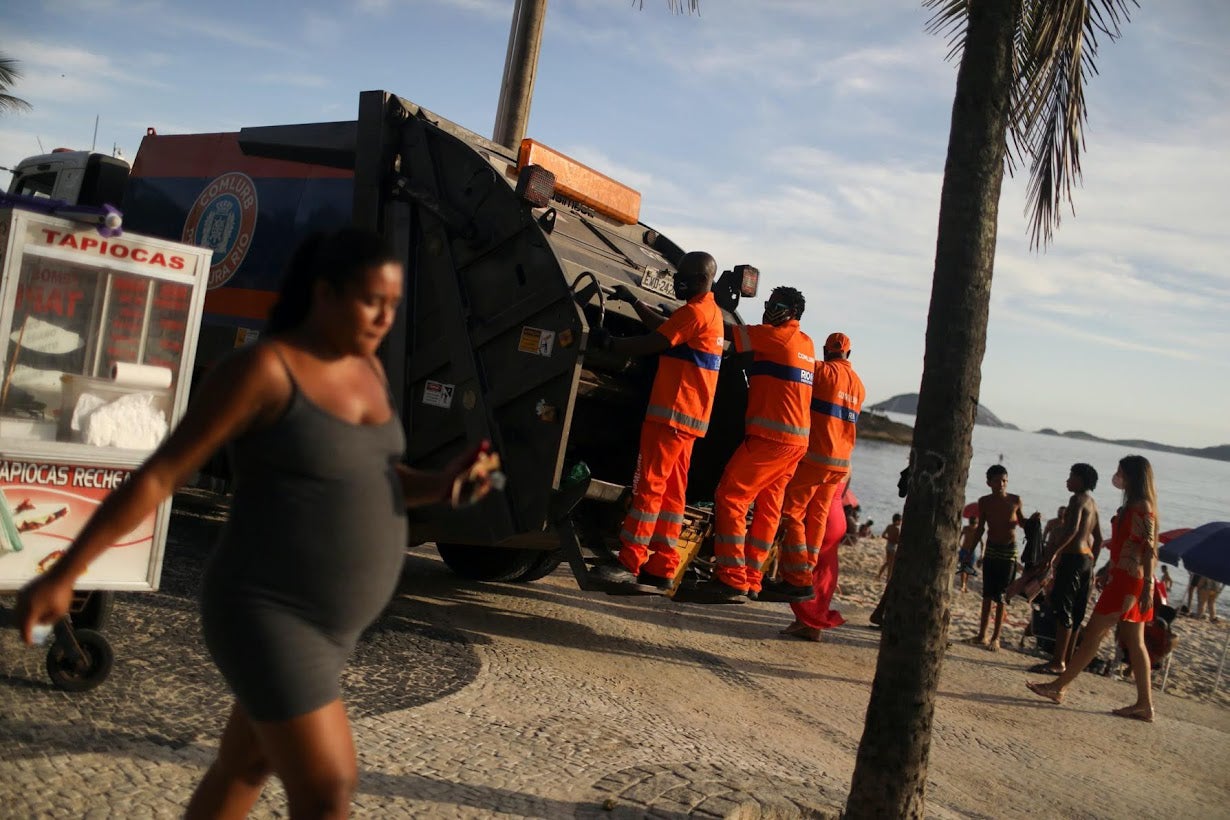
{"points": [[438, 394], [537, 341]]}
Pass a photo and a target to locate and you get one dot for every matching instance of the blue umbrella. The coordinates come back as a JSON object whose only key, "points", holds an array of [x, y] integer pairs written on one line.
{"points": [[1205, 551]]}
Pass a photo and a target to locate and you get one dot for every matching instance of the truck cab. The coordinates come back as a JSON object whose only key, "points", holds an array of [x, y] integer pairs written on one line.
{"points": [[75, 177]]}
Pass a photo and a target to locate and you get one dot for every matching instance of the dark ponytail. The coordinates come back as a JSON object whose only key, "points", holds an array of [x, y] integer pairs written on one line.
{"points": [[338, 257]]}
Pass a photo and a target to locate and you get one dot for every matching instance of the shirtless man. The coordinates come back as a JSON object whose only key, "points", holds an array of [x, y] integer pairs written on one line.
{"points": [[1053, 528], [891, 535], [1072, 552], [999, 513]]}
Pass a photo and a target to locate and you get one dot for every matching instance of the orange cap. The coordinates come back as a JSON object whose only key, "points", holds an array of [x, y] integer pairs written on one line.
{"points": [[837, 343]]}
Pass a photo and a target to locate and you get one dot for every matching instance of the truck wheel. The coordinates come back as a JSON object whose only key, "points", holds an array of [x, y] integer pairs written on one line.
{"points": [[95, 612], [487, 563], [543, 566], [95, 669]]}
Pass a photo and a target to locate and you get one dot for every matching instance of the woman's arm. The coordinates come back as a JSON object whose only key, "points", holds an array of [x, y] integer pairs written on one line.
{"points": [[464, 480], [237, 392]]}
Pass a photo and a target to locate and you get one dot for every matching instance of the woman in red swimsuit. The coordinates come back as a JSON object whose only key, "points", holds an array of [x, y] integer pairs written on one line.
{"points": [[1126, 600]]}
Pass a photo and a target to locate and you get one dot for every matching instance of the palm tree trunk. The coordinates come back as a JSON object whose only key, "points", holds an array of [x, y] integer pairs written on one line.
{"points": [[890, 775]]}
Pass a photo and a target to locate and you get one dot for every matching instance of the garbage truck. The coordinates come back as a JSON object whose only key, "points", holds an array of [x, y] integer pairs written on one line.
{"points": [[510, 255]]}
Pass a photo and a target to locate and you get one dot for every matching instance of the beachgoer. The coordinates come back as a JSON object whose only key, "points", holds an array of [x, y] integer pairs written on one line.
{"points": [[837, 400], [891, 534], [965, 554], [1072, 552], [317, 532], [999, 512], [876, 618], [1032, 553], [1053, 528], [1127, 599], [681, 401], [777, 427], [865, 528], [1167, 581], [1193, 587], [812, 617], [851, 536], [1206, 594]]}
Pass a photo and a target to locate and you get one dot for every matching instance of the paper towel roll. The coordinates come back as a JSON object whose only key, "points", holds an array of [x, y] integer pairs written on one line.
{"points": [[140, 375]]}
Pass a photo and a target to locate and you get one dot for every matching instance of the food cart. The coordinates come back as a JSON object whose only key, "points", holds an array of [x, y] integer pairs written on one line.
{"points": [[100, 332]]}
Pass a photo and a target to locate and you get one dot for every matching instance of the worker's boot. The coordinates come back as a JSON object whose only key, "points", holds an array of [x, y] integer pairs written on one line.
{"points": [[784, 592]]}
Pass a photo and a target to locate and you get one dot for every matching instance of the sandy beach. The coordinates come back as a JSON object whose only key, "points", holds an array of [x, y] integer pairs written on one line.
{"points": [[1198, 645]]}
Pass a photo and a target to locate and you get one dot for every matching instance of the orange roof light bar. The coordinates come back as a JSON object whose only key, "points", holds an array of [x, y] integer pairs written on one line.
{"points": [[582, 183]]}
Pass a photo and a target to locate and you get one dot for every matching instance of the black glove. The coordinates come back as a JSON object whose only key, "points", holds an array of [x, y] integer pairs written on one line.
{"points": [[622, 293], [599, 338]]}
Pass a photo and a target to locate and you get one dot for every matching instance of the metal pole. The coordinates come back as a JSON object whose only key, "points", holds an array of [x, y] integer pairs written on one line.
{"points": [[1221, 664], [512, 113]]}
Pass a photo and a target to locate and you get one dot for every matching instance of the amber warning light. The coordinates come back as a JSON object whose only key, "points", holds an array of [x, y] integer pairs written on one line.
{"points": [[582, 183]]}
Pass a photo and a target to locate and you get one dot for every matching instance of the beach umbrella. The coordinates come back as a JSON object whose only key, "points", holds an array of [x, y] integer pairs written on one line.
{"points": [[1170, 535], [1204, 551], [971, 510]]}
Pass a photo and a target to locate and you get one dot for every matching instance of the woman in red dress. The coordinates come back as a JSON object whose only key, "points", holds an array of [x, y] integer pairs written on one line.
{"points": [[1126, 600]]}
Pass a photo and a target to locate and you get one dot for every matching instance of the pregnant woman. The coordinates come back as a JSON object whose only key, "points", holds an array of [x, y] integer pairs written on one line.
{"points": [[317, 534], [1127, 599]]}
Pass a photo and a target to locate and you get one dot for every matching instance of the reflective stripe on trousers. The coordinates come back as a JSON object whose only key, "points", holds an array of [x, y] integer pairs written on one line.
{"points": [[805, 509], [758, 471], [659, 492]]}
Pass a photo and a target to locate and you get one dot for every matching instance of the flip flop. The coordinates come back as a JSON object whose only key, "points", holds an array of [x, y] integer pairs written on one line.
{"points": [[1042, 669], [1132, 713], [1041, 690]]}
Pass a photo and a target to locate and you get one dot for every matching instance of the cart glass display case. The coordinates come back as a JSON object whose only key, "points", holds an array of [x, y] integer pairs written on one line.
{"points": [[98, 338]]}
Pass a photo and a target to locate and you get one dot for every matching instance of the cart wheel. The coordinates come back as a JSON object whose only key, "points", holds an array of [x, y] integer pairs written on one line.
{"points": [[487, 563], [99, 657], [95, 612]]}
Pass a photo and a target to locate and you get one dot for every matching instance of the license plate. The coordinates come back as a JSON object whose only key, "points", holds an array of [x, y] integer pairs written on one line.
{"points": [[661, 282]]}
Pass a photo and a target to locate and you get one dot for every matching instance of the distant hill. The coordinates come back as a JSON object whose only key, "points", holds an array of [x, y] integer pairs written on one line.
{"points": [[1219, 453], [882, 428], [908, 403]]}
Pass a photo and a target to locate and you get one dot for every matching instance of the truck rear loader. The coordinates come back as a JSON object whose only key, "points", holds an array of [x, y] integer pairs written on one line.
{"points": [[509, 257]]}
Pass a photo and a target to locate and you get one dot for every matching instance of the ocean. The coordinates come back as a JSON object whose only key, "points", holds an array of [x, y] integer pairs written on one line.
{"points": [[1191, 491]]}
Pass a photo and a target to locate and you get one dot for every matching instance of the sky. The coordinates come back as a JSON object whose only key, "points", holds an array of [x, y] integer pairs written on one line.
{"points": [[805, 137]]}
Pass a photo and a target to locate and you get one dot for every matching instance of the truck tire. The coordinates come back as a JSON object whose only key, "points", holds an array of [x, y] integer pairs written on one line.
{"points": [[487, 563], [544, 565]]}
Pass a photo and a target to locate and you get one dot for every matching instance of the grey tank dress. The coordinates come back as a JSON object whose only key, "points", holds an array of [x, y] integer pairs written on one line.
{"points": [[310, 556]]}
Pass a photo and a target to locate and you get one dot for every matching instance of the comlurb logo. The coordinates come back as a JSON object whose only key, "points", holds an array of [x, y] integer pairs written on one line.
{"points": [[223, 218]]}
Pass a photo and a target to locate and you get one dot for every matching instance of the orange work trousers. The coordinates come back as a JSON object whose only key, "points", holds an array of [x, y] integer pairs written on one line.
{"points": [[659, 494], [817, 613], [805, 512], [758, 471]]}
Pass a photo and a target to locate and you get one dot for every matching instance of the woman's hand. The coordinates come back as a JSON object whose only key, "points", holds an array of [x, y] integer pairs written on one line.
{"points": [[472, 475], [44, 600]]}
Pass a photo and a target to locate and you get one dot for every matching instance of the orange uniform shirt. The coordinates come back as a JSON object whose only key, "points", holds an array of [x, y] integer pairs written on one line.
{"points": [[836, 401], [778, 381], [682, 395]]}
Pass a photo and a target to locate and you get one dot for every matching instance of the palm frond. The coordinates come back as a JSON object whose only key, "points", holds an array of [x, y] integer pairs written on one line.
{"points": [[949, 20], [1058, 49], [677, 6], [8, 75]]}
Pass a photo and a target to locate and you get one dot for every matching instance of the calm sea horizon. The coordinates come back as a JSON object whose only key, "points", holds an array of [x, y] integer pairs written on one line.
{"points": [[1191, 491]]}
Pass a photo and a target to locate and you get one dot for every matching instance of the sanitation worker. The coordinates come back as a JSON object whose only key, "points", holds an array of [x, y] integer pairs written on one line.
{"points": [[776, 434], [836, 401], [689, 345]]}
